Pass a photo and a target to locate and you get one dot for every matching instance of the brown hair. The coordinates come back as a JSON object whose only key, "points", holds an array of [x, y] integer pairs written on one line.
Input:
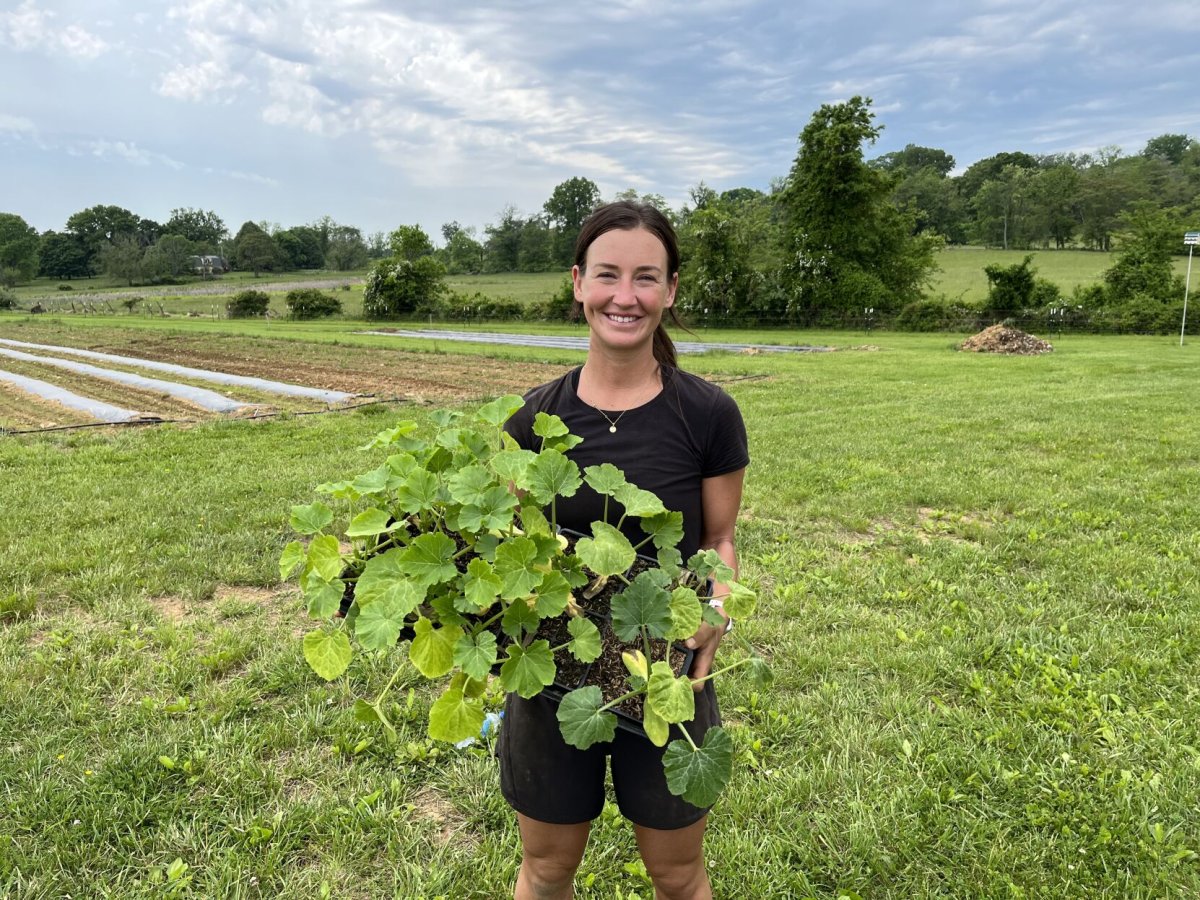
{"points": [[627, 215]]}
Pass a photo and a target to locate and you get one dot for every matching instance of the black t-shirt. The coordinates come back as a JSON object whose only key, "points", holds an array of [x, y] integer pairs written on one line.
{"points": [[691, 431]]}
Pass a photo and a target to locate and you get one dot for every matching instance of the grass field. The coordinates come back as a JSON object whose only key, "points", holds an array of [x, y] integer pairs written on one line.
{"points": [[980, 582]]}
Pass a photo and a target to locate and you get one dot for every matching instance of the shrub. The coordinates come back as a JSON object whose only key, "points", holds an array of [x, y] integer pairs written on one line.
{"points": [[8, 300], [924, 315], [65, 287], [1010, 288], [310, 303], [248, 303], [1045, 293], [397, 287]]}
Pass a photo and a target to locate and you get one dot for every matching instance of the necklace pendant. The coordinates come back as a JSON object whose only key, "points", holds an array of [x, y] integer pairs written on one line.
{"points": [[612, 429]]}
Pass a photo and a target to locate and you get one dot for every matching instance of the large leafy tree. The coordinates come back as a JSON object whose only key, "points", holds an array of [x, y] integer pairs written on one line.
{"points": [[302, 247], [200, 226], [255, 250], [847, 246], [914, 159], [63, 256], [170, 256], [410, 242], [504, 241], [345, 248], [1168, 147], [123, 258], [18, 248], [98, 226], [569, 204]]}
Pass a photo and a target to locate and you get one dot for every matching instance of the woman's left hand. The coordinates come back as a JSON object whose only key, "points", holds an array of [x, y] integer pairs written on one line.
{"points": [[705, 642]]}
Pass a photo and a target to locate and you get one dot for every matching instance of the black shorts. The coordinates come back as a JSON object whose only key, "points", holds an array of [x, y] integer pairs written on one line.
{"points": [[545, 778]]}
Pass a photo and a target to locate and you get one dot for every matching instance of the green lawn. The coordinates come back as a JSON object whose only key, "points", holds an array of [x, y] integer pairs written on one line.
{"points": [[980, 589]]}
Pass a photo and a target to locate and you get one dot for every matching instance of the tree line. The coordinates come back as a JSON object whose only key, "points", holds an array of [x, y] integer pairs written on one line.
{"points": [[840, 234]]}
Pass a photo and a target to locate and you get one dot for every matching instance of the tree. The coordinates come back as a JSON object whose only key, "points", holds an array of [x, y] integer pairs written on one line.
{"points": [[410, 242], [123, 258], [63, 256], [989, 169], [100, 225], [345, 248], [200, 226], [847, 246], [1055, 201], [1143, 266], [464, 254], [170, 256], [934, 203], [254, 250], [301, 247], [18, 248], [1168, 147], [504, 241], [913, 159], [571, 202], [1000, 205]]}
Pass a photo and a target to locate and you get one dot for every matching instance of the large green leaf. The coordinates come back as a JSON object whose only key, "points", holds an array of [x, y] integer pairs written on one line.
{"points": [[475, 654], [293, 554], [369, 522], [546, 425], [665, 529], [585, 639], [418, 492], [327, 653], [378, 624], [455, 716], [325, 557], [741, 600], [639, 503], [553, 475], [515, 559], [383, 578], [339, 490], [468, 485], [527, 669], [534, 520], [604, 479], [323, 598], [644, 604], [500, 410], [760, 672], [429, 559], [310, 519], [607, 551], [391, 435], [686, 612], [670, 697], [494, 510], [519, 616], [552, 595], [376, 481], [402, 464], [513, 465], [432, 650], [699, 776], [481, 586], [581, 721]]}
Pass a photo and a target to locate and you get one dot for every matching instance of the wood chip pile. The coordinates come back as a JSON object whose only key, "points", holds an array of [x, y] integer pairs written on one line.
{"points": [[1002, 339]]}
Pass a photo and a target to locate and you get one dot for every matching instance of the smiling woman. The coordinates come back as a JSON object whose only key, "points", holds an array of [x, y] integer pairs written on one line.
{"points": [[681, 438]]}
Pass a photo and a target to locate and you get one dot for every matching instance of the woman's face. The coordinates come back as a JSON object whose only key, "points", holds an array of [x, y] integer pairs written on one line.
{"points": [[625, 287]]}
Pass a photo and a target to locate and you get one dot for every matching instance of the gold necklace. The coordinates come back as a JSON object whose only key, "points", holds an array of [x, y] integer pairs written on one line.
{"points": [[612, 423]]}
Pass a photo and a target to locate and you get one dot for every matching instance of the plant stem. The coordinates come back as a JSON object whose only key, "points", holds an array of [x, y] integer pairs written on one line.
{"points": [[622, 699], [688, 737], [728, 668]]}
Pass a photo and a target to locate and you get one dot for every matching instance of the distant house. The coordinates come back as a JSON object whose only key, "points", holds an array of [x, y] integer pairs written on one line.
{"points": [[209, 265]]}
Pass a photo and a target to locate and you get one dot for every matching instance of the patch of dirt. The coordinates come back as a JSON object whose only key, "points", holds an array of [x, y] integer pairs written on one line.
{"points": [[173, 609], [429, 804], [1009, 341]]}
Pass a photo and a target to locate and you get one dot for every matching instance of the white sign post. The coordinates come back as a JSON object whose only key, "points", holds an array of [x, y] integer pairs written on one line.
{"points": [[1191, 239]]}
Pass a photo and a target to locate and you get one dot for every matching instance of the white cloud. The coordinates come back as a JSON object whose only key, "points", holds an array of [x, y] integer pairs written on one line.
{"points": [[130, 152], [31, 28], [15, 124]]}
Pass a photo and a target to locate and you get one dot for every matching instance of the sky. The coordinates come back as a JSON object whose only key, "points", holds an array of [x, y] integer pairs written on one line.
{"points": [[421, 112]]}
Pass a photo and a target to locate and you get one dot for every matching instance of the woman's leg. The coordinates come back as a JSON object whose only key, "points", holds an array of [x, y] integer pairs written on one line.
{"points": [[550, 854], [675, 861]]}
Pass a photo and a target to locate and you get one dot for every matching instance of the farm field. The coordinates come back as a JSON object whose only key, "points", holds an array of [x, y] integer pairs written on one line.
{"points": [[980, 590], [960, 277]]}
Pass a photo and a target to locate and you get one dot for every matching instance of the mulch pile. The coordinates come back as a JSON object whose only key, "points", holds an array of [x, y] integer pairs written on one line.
{"points": [[1002, 339]]}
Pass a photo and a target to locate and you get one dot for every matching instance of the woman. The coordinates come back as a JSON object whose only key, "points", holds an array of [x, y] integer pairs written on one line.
{"points": [[673, 434]]}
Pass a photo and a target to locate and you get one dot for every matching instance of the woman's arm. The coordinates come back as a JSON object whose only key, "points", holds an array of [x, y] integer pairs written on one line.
{"points": [[721, 497]]}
